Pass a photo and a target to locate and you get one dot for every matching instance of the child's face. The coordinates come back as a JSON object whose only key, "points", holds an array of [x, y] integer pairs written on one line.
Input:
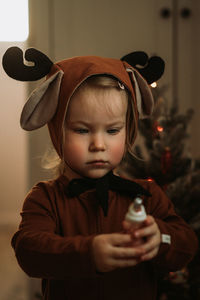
{"points": [[95, 132]]}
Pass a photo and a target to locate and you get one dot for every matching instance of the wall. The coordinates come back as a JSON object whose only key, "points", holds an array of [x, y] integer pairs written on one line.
{"points": [[13, 160], [13, 181]]}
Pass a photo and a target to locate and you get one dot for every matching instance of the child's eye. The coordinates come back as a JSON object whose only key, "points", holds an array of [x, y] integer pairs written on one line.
{"points": [[113, 130], [81, 130]]}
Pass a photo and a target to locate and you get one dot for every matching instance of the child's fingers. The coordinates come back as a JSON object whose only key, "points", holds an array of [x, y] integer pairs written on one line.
{"points": [[126, 252], [152, 236], [150, 228], [151, 244], [109, 252], [149, 255], [126, 225], [151, 247], [118, 249], [149, 220], [118, 239], [145, 232]]}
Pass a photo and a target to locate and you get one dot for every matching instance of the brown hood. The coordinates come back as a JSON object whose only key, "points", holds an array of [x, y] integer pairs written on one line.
{"points": [[48, 103], [76, 70]]}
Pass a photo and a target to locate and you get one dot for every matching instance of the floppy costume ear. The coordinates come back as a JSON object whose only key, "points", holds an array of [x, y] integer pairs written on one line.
{"points": [[152, 69], [42, 103]]}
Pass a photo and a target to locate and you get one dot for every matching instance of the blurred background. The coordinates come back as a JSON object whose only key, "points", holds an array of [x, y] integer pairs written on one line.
{"points": [[66, 28]]}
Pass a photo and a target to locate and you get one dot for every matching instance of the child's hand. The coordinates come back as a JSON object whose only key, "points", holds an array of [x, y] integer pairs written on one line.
{"points": [[152, 236], [110, 253]]}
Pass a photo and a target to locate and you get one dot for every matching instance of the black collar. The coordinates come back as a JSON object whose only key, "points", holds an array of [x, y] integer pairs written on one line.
{"points": [[103, 185]]}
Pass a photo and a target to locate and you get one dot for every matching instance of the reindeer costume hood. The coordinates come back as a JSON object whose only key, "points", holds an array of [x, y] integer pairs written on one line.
{"points": [[48, 103]]}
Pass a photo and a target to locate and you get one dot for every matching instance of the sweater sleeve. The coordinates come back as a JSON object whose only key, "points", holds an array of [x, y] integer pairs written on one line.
{"points": [[179, 242], [41, 251]]}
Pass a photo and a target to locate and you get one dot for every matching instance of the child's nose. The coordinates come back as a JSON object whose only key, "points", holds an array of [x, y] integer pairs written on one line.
{"points": [[97, 143]]}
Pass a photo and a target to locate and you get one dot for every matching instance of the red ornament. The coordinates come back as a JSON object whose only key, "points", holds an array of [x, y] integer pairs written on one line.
{"points": [[166, 160]]}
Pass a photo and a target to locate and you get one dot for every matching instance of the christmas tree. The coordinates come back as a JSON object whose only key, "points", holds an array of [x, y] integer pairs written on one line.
{"points": [[163, 156]]}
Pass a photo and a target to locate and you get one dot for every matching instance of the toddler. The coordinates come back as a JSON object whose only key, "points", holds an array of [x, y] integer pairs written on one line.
{"points": [[72, 234]]}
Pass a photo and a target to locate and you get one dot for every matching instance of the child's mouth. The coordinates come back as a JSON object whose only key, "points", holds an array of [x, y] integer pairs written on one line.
{"points": [[97, 163]]}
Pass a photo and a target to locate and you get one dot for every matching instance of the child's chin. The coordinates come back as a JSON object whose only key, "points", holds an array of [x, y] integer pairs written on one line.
{"points": [[96, 173]]}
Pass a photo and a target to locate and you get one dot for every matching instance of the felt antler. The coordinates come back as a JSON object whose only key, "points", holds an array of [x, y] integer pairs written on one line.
{"points": [[152, 68], [13, 64]]}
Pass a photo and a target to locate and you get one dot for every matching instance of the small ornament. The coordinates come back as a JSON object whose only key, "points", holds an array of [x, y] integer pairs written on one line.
{"points": [[134, 219]]}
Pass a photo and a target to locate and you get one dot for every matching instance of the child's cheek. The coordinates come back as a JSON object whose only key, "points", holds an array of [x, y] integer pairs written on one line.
{"points": [[74, 150], [77, 151], [118, 152]]}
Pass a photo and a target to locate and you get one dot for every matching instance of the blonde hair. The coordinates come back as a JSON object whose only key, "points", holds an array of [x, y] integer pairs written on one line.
{"points": [[53, 162]]}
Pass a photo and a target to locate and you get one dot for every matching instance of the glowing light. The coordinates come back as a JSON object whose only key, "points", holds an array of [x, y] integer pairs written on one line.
{"points": [[149, 179], [159, 128], [154, 85], [14, 20]]}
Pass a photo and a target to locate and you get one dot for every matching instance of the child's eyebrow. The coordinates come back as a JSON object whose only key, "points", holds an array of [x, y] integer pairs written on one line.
{"points": [[114, 123], [118, 123]]}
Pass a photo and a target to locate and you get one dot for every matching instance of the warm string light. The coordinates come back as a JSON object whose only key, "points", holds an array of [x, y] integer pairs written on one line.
{"points": [[159, 128], [154, 85], [149, 179]]}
